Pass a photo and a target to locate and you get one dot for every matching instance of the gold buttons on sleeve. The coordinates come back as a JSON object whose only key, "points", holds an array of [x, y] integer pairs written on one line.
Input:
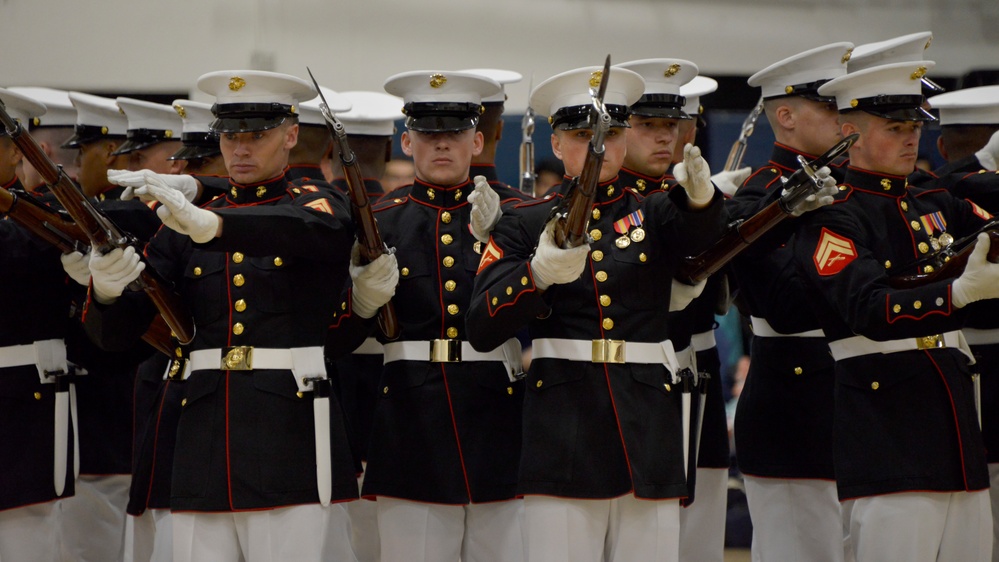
{"points": [[445, 217], [897, 308], [448, 261], [605, 300], [450, 285], [240, 305], [385, 390], [643, 258], [495, 301], [887, 264], [237, 257], [539, 384], [452, 332], [608, 324], [404, 271], [523, 281], [278, 261], [238, 280], [197, 271], [183, 402], [237, 328], [917, 305], [38, 396], [452, 309], [595, 234], [595, 214], [601, 276], [447, 239], [875, 385], [798, 370], [905, 206], [509, 291], [597, 255]]}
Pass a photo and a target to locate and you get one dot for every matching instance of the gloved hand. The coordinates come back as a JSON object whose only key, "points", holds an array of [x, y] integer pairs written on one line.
{"points": [[77, 266], [112, 272], [989, 154], [486, 210], [695, 176], [682, 294], [374, 284], [180, 214], [553, 265], [730, 182], [980, 279], [822, 197], [135, 183]]}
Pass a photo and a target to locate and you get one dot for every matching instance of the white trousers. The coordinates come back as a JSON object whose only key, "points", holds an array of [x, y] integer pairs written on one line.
{"points": [[616, 530], [93, 521], [30, 533], [152, 536], [994, 500], [364, 527], [300, 532], [922, 527], [794, 519], [702, 524], [424, 532]]}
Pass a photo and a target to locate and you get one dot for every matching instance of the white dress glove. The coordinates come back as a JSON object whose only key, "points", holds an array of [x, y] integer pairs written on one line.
{"points": [[486, 210], [112, 272], [180, 214], [695, 176], [374, 284], [553, 265], [682, 294], [980, 279], [135, 183], [77, 266], [824, 196], [989, 153], [730, 182]]}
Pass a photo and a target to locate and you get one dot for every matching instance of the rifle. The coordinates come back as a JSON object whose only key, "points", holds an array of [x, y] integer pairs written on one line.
{"points": [[741, 234], [738, 150], [66, 236], [101, 232], [368, 238], [949, 261], [573, 214], [527, 175]]}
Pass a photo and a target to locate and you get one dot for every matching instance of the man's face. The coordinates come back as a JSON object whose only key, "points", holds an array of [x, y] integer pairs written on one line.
{"points": [[10, 157], [93, 160], [442, 158], [210, 166], [155, 158], [820, 122], [571, 147], [257, 156], [650, 144], [886, 146], [686, 134]]}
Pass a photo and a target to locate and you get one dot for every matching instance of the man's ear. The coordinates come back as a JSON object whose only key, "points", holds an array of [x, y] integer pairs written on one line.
{"points": [[499, 130], [557, 146], [407, 144], [291, 138], [941, 148], [478, 143], [785, 117]]}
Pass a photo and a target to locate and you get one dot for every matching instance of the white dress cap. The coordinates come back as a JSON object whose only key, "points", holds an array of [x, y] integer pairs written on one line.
{"points": [[803, 73], [148, 123], [253, 100], [198, 140], [693, 90], [972, 106], [59, 110], [441, 101], [310, 114], [503, 77], [893, 91], [20, 107], [372, 113], [663, 79], [96, 118], [565, 98]]}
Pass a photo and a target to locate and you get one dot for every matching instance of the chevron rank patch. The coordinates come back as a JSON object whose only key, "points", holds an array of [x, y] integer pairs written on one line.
{"points": [[979, 211], [310, 188], [490, 254], [833, 253], [320, 205]]}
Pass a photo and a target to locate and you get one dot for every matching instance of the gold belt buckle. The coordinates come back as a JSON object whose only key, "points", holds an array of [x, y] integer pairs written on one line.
{"points": [[930, 342], [445, 351], [176, 371], [607, 351], [237, 358]]}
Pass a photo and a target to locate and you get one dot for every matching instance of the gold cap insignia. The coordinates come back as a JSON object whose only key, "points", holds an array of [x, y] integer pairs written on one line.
{"points": [[482, 109], [294, 109], [122, 111], [928, 41], [104, 130], [854, 103], [919, 73], [168, 133], [437, 80], [236, 83], [672, 70], [788, 89], [595, 78], [180, 111], [36, 121], [551, 120], [846, 56], [700, 109]]}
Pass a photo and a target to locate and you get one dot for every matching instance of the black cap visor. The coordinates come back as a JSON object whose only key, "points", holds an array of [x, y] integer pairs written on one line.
{"points": [[895, 107], [578, 117], [84, 134]]}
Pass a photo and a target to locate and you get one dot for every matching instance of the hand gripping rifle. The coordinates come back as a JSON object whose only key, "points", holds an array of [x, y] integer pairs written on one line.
{"points": [[102, 234], [368, 238], [527, 175], [738, 151], [949, 261], [573, 213], [741, 234]]}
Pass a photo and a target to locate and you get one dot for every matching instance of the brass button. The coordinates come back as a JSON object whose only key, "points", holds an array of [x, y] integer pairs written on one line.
{"points": [[928, 269], [38, 396], [798, 371], [595, 214], [905, 206], [238, 280], [183, 402], [940, 301], [608, 324], [523, 281], [924, 247], [495, 300], [452, 332], [539, 384], [299, 394], [610, 190], [915, 225], [178, 352], [278, 261], [897, 308], [887, 264], [643, 258], [452, 309], [237, 328], [197, 271], [668, 387], [343, 305], [509, 290], [445, 217], [447, 239], [450, 285], [597, 255], [601, 276], [595, 234], [240, 305], [448, 261], [509, 390], [431, 194], [237, 257], [605, 300], [875, 385], [404, 271], [385, 390], [917, 305]]}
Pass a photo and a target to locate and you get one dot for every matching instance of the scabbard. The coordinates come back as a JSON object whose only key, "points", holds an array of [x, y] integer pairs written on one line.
{"points": [[61, 439], [321, 413]]}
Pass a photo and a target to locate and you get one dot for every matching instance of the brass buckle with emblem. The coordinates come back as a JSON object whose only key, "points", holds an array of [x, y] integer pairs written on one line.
{"points": [[930, 342], [237, 358], [607, 351], [445, 351]]}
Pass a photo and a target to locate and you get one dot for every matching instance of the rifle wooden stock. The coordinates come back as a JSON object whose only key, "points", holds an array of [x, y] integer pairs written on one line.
{"points": [[99, 230], [66, 236], [950, 264]]}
